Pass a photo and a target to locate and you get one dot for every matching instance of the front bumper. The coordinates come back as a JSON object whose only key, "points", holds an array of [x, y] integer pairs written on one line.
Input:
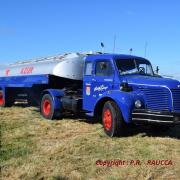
{"points": [[149, 116]]}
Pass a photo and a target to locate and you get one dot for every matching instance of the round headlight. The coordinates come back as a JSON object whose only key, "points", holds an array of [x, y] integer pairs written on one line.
{"points": [[138, 104]]}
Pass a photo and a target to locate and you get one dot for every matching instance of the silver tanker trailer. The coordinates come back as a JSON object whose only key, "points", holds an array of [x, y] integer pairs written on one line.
{"points": [[67, 66], [27, 80]]}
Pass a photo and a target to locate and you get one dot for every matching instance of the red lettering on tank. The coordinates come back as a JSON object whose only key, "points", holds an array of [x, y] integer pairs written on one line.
{"points": [[27, 70]]}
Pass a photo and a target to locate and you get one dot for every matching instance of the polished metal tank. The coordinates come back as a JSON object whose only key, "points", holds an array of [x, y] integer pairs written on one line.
{"points": [[69, 65]]}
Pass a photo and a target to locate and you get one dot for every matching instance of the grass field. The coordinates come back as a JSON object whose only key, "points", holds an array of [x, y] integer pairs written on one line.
{"points": [[34, 148]]}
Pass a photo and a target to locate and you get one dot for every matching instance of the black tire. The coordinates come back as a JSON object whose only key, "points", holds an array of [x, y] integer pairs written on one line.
{"points": [[47, 107], [117, 125]]}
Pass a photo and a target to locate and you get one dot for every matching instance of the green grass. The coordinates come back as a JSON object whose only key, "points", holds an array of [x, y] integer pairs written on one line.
{"points": [[34, 148]]}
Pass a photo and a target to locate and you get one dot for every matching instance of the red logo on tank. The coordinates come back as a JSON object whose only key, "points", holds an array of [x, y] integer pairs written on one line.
{"points": [[7, 72]]}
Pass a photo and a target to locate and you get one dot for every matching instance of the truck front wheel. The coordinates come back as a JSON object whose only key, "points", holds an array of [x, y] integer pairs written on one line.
{"points": [[112, 119], [47, 107]]}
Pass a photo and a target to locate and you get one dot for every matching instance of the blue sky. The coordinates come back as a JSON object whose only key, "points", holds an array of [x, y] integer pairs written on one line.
{"points": [[35, 28]]}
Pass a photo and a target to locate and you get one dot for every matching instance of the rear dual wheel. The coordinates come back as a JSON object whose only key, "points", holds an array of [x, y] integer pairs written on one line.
{"points": [[47, 108], [112, 119]]}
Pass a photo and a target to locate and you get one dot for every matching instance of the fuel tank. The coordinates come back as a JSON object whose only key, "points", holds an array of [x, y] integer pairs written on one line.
{"points": [[69, 65]]}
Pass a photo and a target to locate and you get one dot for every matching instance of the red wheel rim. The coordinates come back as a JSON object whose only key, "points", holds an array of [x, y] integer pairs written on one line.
{"points": [[107, 119], [46, 107], [1, 99]]}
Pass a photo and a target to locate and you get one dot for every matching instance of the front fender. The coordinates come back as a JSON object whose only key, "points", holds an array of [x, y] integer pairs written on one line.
{"points": [[125, 101]]}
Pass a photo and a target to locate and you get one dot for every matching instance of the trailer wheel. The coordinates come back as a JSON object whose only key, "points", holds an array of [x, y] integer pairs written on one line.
{"points": [[47, 107], [112, 119], [2, 101], [8, 102]]}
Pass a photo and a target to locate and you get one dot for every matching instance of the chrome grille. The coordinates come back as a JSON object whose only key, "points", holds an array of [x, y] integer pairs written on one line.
{"points": [[176, 99], [156, 98]]}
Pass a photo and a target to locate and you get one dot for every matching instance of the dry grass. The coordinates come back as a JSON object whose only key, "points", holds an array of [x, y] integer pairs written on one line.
{"points": [[34, 148]]}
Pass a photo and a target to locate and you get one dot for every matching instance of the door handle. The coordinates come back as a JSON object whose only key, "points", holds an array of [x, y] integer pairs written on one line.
{"points": [[93, 80]]}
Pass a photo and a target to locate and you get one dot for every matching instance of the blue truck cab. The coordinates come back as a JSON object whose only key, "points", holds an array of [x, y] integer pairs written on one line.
{"points": [[123, 89]]}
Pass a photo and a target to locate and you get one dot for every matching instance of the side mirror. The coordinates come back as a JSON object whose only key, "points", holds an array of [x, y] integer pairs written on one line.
{"points": [[157, 70], [124, 86]]}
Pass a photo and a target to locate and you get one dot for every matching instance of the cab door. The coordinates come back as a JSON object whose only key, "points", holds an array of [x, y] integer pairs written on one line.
{"points": [[103, 79], [98, 79], [88, 86]]}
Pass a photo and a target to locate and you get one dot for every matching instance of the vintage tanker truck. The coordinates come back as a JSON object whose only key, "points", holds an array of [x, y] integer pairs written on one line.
{"points": [[117, 89]]}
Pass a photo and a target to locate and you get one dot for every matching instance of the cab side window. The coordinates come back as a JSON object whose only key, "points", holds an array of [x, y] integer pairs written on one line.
{"points": [[103, 68], [88, 68]]}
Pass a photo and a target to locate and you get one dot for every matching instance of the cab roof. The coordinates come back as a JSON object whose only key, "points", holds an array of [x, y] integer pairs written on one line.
{"points": [[112, 56]]}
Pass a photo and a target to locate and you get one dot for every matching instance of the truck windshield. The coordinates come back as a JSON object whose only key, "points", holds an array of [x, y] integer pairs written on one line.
{"points": [[134, 66]]}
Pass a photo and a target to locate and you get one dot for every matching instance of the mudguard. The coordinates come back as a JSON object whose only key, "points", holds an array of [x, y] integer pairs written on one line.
{"points": [[125, 101]]}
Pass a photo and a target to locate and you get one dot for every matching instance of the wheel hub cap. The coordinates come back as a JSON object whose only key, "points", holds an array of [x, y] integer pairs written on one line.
{"points": [[46, 107], [107, 119]]}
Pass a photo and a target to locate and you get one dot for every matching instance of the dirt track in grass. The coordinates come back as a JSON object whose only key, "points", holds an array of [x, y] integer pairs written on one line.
{"points": [[34, 148]]}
